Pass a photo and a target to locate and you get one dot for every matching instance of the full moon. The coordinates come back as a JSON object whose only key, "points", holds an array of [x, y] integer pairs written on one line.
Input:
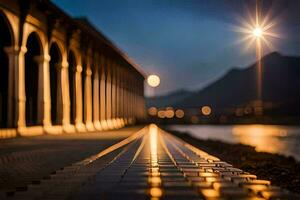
{"points": [[153, 80]]}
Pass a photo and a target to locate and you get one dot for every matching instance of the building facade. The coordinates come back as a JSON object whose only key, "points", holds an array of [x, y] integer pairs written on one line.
{"points": [[59, 74]]}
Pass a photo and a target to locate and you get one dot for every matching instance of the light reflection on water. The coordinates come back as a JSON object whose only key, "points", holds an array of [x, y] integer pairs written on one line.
{"points": [[269, 138]]}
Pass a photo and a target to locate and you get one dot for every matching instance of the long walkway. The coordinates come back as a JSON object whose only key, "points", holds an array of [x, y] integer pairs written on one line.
{"points": [[26, 160], [151, 164]]}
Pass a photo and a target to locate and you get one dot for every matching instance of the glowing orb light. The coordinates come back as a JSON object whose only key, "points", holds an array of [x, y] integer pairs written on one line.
{"points": [[206, 110], [153, 80]]}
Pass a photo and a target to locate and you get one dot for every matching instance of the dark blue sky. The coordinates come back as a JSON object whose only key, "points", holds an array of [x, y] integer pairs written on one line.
{"points": [[189, 43]]}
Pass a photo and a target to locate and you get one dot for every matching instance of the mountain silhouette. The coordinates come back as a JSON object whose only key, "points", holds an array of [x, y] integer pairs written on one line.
{"points": [[170, 99], [280, 87]]}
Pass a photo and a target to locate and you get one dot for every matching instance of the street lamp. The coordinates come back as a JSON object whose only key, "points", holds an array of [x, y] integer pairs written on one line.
{"points": [[258, 30], [259, 34]]}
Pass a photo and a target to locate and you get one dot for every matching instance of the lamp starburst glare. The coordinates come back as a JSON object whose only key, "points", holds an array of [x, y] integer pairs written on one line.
{"points": [[256, 27], [257, 32]]}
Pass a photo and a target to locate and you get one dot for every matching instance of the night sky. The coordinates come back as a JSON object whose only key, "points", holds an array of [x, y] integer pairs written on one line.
{"points": [[188, 43]]}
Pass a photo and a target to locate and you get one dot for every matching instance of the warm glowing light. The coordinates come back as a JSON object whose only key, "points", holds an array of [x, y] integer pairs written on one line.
{"points": [[211, 179], [155, 192], [206, 110], [169, 113], [257, 29], [210, 193], [161, 114], [263, 137], [154, 178], [179, 113], [153, 141], [258, 32], [152, 111], [153, 80]]}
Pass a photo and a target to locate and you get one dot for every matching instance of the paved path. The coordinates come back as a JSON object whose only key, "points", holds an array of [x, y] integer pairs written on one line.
{"points": [[151, 164], [25, 160]]}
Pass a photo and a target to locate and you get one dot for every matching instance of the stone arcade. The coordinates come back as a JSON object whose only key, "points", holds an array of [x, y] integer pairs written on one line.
{"points": [[59, 74]]}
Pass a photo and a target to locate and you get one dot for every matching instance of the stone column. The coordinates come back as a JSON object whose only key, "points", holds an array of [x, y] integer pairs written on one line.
{"points": [[121, 97], [136, 102], [89, 102], [44, 99], [78, 91], [129, 100], [124, 106], [126, 99], [65, 95], [108, 97], [141, 96], [118, 94], [113, 96], [142, 99], [96, 106], [59, 91], [134, 105], [12, 103], [21, 100], [67, 98], [103, 97]]}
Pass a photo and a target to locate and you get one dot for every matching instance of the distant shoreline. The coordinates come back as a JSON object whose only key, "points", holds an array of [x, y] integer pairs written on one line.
{"points": [[278, 123], [281, 170], [228, 124]]}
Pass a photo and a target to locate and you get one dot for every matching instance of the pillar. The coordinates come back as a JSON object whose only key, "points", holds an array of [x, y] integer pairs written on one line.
{"points": [[12, 53], [108, 96], [21, 97], [64, 84], [118, 94], [78, 91], [44, 99], [89, 102], [121, 97], [103, 95], [96, 106], [113, 96]]}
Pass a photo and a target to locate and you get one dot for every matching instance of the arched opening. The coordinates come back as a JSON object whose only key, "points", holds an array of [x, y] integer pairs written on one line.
{"points": [[5, 41], [55, 84], [34, 50], [72, 72]]}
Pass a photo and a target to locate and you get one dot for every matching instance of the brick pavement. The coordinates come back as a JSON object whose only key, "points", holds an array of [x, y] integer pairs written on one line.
{"points": [[27, 160], [151, 164]]}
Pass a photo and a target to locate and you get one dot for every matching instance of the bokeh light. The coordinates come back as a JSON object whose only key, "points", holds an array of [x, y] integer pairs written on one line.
{"points": [[153, 80], [161, 114], [169, 113], [152, 111], [206, 110], [179, 113]]}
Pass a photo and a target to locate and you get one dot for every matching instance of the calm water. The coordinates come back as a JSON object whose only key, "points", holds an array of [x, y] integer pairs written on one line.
{"points": [[269, 138]]}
